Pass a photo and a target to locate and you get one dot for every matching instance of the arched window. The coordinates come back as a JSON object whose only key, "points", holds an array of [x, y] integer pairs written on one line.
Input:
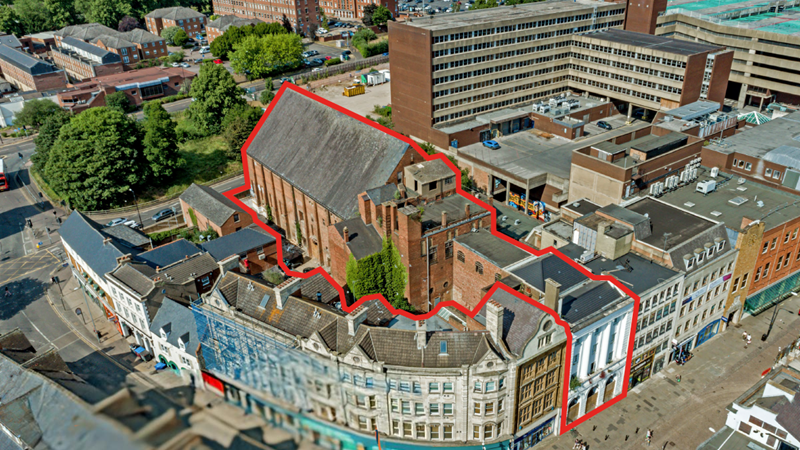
{"points": [[479, 268], [460, 256]]}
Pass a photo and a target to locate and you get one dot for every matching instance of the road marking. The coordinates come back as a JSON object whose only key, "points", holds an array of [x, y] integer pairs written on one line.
{"points": [[70, 343], [37, 329]]}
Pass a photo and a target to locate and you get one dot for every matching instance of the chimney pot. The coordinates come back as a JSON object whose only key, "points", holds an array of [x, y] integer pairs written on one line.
{"points": [[494, 320], [346, 235], [466, 210], [422, 334], [444, 218]]}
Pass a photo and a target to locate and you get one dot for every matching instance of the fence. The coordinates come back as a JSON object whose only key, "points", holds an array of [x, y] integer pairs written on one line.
{"points": [[345, 67], [168, 198]]}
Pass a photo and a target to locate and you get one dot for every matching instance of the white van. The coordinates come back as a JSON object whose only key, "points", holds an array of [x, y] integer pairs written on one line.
{"points": [[205, 49]]}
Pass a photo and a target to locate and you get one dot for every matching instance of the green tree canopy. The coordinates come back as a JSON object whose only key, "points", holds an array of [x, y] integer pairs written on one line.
{"points": [[223, 45], [35, 112], [48, 133], [264, 55], [43, 15], [96, 159], [120, 100], [169, 34], [106, 12], [381, 16], [160, 141], [215, 93], [237, 126], [267, 97], [180, 38], [369, 10], [380, 273], [10, 22]]}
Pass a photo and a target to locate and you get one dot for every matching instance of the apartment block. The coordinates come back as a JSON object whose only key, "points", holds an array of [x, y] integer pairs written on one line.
{"points": [[218, 27], [28, 73], [763, 37], [527, 53], [187, 19], [127, 50], [83, 61], [148, 45], [301, 13]]}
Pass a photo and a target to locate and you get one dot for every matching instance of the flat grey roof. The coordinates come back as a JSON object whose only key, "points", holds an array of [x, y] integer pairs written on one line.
{"points": [[428, 171], [760, 140], [650, 144], [694, 110], [649, 41], [583, 206], [559, 228], [778, 206], [491, 16], [633, 271], [492, 248], [665, 218]]}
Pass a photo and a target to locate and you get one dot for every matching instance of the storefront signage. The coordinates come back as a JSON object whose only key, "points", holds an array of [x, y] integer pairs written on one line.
{"points": [[706, 288], [534, 436]]}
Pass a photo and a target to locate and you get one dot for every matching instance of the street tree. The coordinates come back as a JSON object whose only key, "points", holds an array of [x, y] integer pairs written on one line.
{"points": [[215, 93], [96, 159], [369, 10], [237, 126], [48, 133], [180, 38], [381, 16], [120, 100], [128, 23], [267, 97], [35, 112], [261, 56], [160, 141], [169, 34]]}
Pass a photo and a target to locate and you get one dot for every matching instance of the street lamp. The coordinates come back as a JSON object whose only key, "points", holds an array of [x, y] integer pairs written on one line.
{"points": [[86, 302], [135, 202], [772, 322]]}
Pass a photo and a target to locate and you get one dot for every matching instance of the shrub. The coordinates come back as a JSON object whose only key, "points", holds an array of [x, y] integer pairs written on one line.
{"points": [[333, 62]]}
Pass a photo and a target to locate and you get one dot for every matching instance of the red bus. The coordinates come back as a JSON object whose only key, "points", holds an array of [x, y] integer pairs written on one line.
{"points": [[3, 181]]}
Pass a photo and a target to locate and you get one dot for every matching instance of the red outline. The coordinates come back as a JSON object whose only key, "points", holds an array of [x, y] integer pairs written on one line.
{"points": [[568, 357]]}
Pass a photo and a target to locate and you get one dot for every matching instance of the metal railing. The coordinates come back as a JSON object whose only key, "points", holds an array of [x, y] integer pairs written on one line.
{"points": [[345, 67]]}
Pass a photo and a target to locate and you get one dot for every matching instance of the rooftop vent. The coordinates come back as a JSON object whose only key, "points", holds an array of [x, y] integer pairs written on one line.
{"points": [[716, 213], [688, 204], [741, 188], [738, 201]]}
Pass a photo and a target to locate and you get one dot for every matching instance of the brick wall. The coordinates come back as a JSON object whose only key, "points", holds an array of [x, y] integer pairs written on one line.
{"points": [[468, 284]]}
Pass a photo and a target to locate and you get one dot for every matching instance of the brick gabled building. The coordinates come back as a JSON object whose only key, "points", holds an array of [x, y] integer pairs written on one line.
{"points": [[83, 61], [218, 27], [148, 45], [203, 207], [127, 50], [189, 20], [305, 178], [28, 73]]}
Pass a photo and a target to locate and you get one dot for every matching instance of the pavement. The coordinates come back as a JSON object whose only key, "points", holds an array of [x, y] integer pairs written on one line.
{"points": [[684, 414]]}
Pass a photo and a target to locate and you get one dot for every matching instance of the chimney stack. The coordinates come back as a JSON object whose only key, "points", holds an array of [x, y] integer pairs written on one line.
{"points": [[355, 318], [466, 210], [285, 289], [490, 200], [346, 235], [444, 219], [494, 320], [422, 334], [552, 295]]}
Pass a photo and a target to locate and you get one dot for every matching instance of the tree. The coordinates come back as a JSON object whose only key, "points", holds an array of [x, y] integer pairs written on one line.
{"points": [[215, 93], [48, 133], [160, 141], [169, 34], [120, 101], [106, 12], [128, 23], [180, 38], [224, 44], [35, 112], [9, 21], [261, 56], [484, 4], [428, 147], [237, 126], [381, 16], [96, 159], [267, 97], [286, 24], [380, 273], [369, 10], [457, 7]]}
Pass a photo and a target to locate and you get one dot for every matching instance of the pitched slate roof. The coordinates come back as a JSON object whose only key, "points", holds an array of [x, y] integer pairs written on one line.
{"points": [[587, 300], [86, 239], [10, 40], [789, 415], [85, 31], [112, 41], [535, 272], [128, 275], [127, 236], [25, 62], [520, 320], [140, 36], [105, 56], [237, 243], [181, 324], [363, 241], [168, 254], [213, 205], [173, 13], [224, 22], [332, 161]]}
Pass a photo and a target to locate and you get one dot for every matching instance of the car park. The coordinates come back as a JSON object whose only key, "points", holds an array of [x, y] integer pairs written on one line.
{"points": [[176, 64], [133, 224], [163, 214], [491, 144], [116, 222], [186, 65], [199, 61], [604, 125]]}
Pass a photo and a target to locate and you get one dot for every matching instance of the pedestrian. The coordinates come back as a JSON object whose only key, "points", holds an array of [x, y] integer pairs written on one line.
{"points": [[748, 340], [649, 436], [678, 378], [8, 293], [744, 335]]}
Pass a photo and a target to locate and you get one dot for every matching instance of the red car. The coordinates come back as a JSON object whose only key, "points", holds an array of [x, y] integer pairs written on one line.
{"points": [[217, 61], [328, 57]]}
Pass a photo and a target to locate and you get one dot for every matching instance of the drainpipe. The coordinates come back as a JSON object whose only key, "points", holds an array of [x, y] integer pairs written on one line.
{"points": [[428, 270]]}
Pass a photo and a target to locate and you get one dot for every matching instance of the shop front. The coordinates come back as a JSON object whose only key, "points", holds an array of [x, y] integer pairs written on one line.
{"points": [[682, 350], [640, 368], [707, 332], [534, 436]]}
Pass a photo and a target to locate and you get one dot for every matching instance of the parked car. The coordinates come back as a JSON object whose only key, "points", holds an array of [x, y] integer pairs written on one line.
{"points": [[285, 80], [199, 61], [217, 61], [186, 65], [604, 125], [316, 62], [116, 222], [491, 144], [196, 48], [133, 224], [322, 31], [317, 69], [163, 214]]}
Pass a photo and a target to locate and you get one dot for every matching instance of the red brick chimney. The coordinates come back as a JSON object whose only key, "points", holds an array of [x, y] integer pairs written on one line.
{"points": [[466, 210], [346, 235], [444, 218]]}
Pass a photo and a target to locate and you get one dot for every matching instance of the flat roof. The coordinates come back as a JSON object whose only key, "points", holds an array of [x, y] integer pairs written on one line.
{"points": [[637, 273], [491, 16], [760, 140], [428, 171], [749, 14], [490, 247], [559, 228], [582, 207], [649, 41], [777, 207], [694, 110], [665, 218]]}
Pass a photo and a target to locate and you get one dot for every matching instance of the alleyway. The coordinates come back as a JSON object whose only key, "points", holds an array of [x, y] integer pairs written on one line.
{"points": [[684, 414]]}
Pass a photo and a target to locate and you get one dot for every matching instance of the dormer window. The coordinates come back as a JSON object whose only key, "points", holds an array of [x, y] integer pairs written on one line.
{"points": [[443, 347], [720, 246], [181, 345], [163, 334]]}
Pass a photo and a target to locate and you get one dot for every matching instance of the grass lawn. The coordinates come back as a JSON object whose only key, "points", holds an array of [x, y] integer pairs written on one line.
{"points": [[205, 160]]}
